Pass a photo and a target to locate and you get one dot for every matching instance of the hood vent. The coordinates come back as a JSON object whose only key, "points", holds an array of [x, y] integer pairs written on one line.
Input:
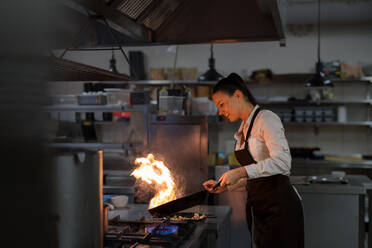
{"points": [[132, 8], [191, 21], [66, 70]]}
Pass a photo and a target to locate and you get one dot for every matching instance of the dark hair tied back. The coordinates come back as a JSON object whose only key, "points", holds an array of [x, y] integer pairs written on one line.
{"points": [[234, 82]]}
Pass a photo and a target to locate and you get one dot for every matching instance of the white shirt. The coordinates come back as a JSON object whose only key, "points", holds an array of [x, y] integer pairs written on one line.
{"points": [[267, 145]]}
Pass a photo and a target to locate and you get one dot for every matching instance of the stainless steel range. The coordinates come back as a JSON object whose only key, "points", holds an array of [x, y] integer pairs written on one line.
{"points": [[152, 233]]}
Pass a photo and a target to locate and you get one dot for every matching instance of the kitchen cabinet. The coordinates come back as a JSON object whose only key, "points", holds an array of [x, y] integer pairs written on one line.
{"points": [[335, 213]]}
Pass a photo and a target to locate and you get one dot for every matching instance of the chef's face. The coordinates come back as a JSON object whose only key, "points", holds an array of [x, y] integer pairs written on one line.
{"points": [[228, 106]]}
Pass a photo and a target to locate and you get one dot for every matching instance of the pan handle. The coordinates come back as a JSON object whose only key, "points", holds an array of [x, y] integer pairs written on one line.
{"points": [[216, 185]]}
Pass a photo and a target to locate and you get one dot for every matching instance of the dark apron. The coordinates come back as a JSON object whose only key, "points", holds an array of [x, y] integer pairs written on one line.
{"points": [[273, 207]]}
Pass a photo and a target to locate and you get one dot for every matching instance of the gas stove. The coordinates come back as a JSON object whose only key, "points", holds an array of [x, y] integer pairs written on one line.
{"points": [[155, 233]]}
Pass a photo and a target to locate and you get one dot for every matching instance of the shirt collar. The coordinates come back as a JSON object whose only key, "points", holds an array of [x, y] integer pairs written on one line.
{"points": [[245, 124]]}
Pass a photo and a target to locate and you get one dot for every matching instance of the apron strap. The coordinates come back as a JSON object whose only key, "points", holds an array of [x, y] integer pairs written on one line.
{"points": [[250, 128]]}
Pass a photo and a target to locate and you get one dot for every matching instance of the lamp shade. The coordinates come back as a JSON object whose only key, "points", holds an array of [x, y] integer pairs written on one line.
{"points": [[319, 80], [113, 64], [211, 74]]}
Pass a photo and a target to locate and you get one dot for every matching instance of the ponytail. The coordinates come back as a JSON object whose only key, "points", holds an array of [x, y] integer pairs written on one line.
{"points": [[232, 83]]}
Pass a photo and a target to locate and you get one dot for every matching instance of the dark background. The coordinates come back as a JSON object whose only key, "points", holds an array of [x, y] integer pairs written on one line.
{"points": [[27, 35]]}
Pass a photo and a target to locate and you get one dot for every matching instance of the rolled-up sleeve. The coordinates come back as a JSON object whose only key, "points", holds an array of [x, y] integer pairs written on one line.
{"points": [[279, 160]]}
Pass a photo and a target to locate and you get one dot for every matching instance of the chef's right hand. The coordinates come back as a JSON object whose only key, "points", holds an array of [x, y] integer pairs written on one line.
{"points": [[208, 185]]}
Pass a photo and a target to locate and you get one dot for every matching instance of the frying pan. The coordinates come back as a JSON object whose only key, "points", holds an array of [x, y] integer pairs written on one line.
{"points": [[179, 204]]}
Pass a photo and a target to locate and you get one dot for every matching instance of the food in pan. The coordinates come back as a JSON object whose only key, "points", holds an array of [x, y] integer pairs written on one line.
{"points": [[196, 216]]}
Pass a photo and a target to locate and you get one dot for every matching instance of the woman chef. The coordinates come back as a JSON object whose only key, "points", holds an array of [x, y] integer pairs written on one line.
{"points": [[274, 209]]}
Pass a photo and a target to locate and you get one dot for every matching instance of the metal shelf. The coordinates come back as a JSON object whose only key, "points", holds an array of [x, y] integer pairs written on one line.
{"points": [[214, 119], [283, 80], [355, 123], [168, 82], [361, 80], [302, 80], [92, 108], [93, 146], [103, 108], [363, 164], [298, 162], [315, 102], [280, 79], [120, 190]]}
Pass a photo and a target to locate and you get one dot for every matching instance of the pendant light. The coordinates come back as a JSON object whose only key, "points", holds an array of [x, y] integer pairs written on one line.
{"points": [[113, 63], [318, 80], [211, 74]]}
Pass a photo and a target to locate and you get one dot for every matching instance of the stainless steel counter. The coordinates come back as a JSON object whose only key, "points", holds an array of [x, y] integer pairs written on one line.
{"points": [[218, 224], [363, 164], [356, 186]]}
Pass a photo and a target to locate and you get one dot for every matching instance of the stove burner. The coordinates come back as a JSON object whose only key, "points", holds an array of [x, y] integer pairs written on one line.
{"points": [[126, 234], [162, 229]]}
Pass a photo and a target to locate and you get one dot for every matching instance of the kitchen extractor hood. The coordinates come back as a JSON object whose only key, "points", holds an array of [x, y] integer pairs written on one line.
{"points": [[152, 22], [67, 70]]}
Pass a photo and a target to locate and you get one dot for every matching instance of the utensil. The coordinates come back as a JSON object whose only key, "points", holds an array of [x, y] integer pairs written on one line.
{"points": [[182, 203], [216, 185], [327, 179], [179, 204], [92, 99]]}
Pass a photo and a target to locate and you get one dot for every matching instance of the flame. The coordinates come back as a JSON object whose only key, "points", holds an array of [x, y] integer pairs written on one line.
{"points": [[153, 171]]}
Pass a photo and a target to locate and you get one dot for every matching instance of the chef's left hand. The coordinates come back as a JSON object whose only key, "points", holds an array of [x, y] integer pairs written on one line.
{"points": [[208, 185], [233, 176]]}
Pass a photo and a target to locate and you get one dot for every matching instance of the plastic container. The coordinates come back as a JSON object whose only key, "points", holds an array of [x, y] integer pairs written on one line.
{"points": [[328, 114], [163, 93], [117, 96], [221, 157], [188, 100], [92, 99], [232, 159], [63, 99], [211, 158], [341, 114], [203, 106], [120, 201], [171, 104]]}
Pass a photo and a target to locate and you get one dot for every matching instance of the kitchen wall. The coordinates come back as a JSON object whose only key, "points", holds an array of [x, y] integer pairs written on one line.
{"points": [[348, 43]]}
